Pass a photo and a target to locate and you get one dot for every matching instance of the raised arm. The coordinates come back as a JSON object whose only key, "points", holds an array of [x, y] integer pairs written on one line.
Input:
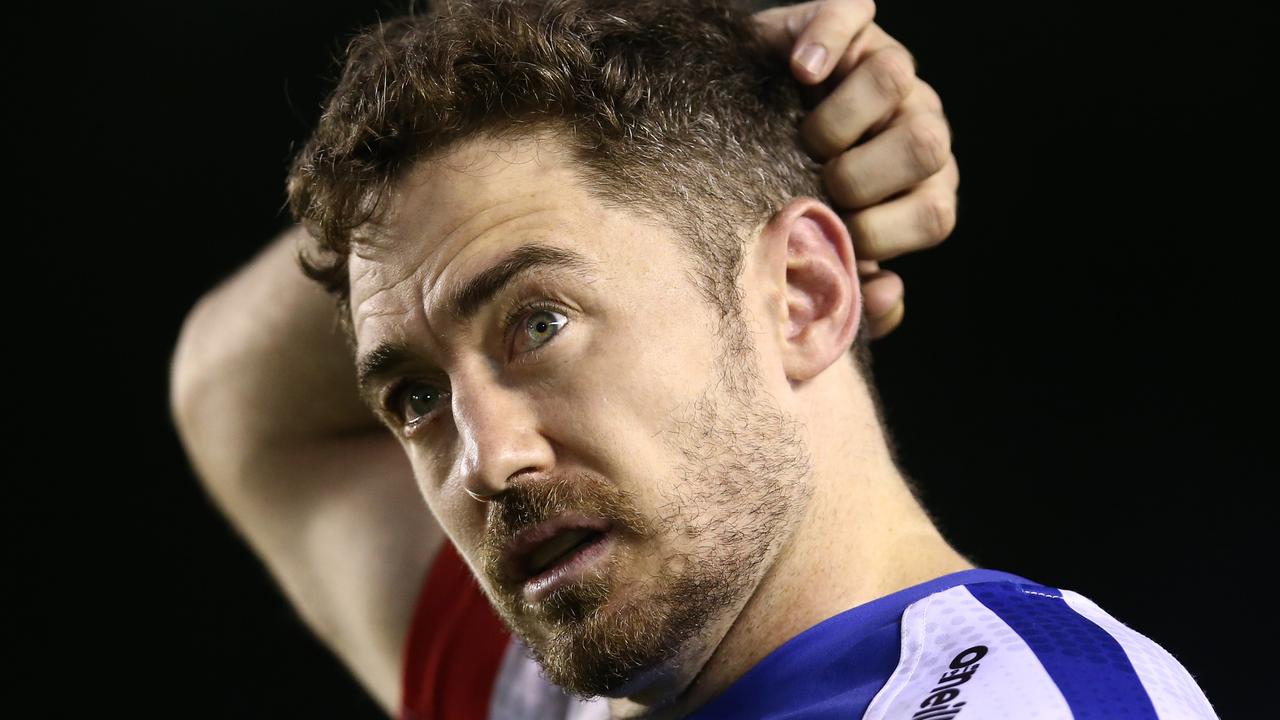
{"points": [[263, 388], [264, 399]]}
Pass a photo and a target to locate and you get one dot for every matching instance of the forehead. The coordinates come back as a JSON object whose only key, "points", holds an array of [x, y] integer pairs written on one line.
{"points": [[453, 216]]}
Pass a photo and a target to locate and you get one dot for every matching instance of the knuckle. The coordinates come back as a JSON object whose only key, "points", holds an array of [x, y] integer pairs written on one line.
{"points": [[866, 238], [911, 57], [945, 124], [842, 182], [938, 218], [928, 145], [950, 175], [928, 96], [820, 131], [796, 21], [891, 71]]}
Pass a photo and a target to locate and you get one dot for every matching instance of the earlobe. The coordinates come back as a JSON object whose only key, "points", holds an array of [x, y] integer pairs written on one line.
{"points": [[823, 300]]}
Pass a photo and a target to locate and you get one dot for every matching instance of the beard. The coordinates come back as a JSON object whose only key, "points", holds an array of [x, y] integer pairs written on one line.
{"points": [[738, 495]]}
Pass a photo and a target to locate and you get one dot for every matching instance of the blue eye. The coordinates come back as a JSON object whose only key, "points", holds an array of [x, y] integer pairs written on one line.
{"points": [[540, 327]]}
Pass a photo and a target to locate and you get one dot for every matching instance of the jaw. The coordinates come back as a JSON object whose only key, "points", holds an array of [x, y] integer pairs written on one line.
{"points": [[711, 659]]}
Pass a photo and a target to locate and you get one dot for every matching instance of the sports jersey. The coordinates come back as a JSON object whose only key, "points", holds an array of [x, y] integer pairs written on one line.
{"points": [[973, 645]]}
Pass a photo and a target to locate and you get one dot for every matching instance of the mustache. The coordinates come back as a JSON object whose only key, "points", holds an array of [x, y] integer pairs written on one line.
{"points": [[533, 500]]}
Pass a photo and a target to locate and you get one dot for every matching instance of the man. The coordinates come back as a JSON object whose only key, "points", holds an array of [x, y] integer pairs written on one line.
{"points": [[592, 292]]}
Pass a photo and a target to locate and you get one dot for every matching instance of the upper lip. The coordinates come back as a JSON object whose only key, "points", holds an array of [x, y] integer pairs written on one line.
{"points": [[522, 545]]}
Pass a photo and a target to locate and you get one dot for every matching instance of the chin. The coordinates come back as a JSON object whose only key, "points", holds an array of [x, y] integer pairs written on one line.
{"points": [[634, 643]]}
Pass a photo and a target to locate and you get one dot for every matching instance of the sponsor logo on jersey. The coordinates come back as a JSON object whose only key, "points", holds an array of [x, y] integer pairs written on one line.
{"points": [[943, 702]]}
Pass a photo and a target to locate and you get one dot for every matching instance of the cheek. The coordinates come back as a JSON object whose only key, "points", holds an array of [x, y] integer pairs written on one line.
{"points": [[461, 517], [616, 404]]}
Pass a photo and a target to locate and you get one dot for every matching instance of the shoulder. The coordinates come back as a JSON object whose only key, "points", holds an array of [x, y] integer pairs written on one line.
{"points": [[1009, 649]]}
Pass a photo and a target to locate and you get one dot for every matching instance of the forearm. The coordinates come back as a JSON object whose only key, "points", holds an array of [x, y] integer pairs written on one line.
{"points": [[261, 363], [263, 395]]}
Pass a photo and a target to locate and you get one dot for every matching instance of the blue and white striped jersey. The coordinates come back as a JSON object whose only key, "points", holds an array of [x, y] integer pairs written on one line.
{"points": [[979, 645], [973, 645]]}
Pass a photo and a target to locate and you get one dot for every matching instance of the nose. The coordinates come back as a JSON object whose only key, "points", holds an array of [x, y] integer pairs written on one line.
{"points": [[499, 437]]}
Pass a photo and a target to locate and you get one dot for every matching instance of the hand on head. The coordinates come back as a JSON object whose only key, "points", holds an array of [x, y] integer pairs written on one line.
{"points": [[880, 131]]}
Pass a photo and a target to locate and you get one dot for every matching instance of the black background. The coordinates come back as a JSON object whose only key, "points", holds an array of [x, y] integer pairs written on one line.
{"points": [[1079, 386]]}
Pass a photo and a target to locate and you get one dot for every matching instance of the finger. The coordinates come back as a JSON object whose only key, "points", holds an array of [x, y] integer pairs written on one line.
{"points": [[880, 326], [881, 291], [913, 148], [920, 219], [882, 297], [872, 93], [925, 97], [870, 40], [829, 32], [780, 26], [873, 40]]}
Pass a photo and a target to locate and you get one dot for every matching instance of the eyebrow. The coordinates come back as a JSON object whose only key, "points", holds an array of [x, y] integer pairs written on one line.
{"points": [[388, 357], [468, 298]]}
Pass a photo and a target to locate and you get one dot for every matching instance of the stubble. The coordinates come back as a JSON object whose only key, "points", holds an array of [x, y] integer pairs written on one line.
{"points": [[738, 493]]}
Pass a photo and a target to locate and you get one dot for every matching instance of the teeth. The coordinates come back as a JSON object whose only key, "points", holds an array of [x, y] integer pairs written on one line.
{"points": [[546, 553]]}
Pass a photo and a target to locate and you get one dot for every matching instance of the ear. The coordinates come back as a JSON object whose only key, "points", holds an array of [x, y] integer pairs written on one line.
{"points": [[808, 255]]}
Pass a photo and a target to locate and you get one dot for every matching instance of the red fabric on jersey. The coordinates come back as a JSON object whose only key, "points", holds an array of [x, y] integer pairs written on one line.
{"points": [[454, 648]]}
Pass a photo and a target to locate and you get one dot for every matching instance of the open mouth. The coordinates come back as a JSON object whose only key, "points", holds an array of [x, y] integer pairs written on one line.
{"points": [[541, 550], [559, 550]]}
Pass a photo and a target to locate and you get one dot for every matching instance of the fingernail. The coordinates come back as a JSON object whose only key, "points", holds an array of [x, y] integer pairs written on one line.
{"points": [[811, 57]]}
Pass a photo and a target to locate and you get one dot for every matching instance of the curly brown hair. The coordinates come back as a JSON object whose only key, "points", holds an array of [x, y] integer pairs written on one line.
{"points": [[673, 108]]}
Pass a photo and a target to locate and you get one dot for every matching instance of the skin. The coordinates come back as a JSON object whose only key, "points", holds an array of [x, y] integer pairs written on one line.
{"points": [[328, 500], [609, 399], [882, 134]]}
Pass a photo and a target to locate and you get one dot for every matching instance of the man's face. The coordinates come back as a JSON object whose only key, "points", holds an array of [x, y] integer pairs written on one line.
{"points": [[617, 482]]}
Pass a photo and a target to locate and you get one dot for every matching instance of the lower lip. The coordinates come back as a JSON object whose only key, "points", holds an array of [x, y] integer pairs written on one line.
{"points": [[567, 571]]}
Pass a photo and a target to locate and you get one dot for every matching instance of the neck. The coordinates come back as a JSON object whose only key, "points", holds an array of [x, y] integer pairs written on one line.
{"points": [[863, 536]]}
